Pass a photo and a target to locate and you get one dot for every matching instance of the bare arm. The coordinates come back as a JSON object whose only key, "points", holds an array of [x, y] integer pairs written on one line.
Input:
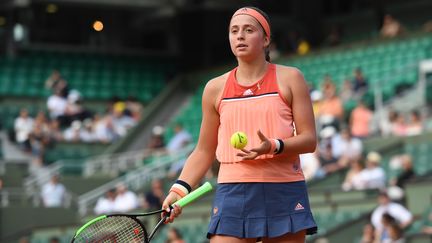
{"points": [[199, 162], [204, 154], [305, 141]]}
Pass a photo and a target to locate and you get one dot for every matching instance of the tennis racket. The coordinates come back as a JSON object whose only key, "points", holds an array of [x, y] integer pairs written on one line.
{"points": [[126, 228]]}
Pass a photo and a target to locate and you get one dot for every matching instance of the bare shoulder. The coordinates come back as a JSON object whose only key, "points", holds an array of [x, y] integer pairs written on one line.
{"points": [[290, 74], [214, 86], [214, 89]]}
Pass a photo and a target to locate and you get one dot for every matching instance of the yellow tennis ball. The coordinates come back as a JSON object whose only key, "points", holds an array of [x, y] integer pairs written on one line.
{"points": [[239, 140]]}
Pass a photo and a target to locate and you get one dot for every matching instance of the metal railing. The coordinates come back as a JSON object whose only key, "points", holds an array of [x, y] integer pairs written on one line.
{"points": [[134, 179]]}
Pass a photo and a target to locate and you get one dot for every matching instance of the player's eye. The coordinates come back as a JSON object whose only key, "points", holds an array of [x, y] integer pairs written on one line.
{"points": [[249, 30], [234, 31]]}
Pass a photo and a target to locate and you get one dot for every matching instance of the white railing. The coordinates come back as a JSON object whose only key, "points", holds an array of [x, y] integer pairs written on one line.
{"points": [[14, 196], [134, 179], [113, 164], [109, 164]]}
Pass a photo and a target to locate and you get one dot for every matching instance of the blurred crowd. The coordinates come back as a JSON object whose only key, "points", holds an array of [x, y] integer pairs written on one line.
{"points": [[67, 119]]}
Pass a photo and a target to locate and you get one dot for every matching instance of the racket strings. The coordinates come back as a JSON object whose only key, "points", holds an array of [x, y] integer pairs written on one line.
{"points": [[113, 230]]}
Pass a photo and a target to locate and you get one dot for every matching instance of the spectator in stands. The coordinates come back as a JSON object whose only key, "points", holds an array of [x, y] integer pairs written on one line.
{"points": [[53, 193], [310, 165], [331, 106], [134, 107], [391, 27], [86, 134], [360, 119], [154, 198], [427, 222], [327, 160], [391, 233], [346, 94], [177, 142], [402, 215], [157, 139], [121, 123], [54, 131], [368, 235], [360, 84], [415, 126], [180, 139], [72, 134], [353, 179], [407, 171], [373, 176], [125, 200], [346, 147], [106, 204], [23, 126], [386, 124], [39, 139], [57, 84], [174, 236], [102, 131], [57, 105], [399, 126]]}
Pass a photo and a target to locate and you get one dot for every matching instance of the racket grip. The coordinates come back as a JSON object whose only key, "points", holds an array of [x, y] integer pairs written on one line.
{"points": [[200, 191]]}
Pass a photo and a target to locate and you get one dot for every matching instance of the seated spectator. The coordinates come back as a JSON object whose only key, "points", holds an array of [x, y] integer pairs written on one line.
{"points": [[125, 199], [101, 128], [106, 204], [352, 179], [121, 123], [398, 125], [360, 120], [427, 222], [386, 124], [415, 126], [373, 176], [391, 27], [346, 94], [154, 198], [174, 236], [87, 134], [368, 235], [392, 233], [331, 105], [57, 83], [402, 215], [310, 165], [57, 105], [134, 107], [407, 171], [360, 84], [72, 134], [346, 147], [53, 193], [180, 140], [23, 126], [157, 139]]}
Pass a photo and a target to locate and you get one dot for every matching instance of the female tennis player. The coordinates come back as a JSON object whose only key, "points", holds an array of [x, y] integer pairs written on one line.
{"points": [[261, 193]]}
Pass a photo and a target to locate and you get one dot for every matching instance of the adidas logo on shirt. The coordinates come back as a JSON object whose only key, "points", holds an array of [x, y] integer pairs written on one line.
{"points": [[248, 92], [299, 207]]}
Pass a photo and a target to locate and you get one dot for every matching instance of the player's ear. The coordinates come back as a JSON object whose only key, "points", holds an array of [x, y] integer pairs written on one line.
{"points": [[266, 41]]}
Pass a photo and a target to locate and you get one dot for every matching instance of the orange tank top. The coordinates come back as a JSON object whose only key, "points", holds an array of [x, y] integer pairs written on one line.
{"points": [[248, 109]]}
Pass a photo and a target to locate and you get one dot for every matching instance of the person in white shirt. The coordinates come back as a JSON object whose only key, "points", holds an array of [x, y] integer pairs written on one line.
{"points": [[402, 215], [180, 139], [56, 105], [53, 193], [373, 176], [125, 200], [106, 204], [23, 126]]}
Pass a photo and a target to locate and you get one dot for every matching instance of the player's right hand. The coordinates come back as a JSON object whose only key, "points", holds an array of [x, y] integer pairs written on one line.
{"points": [[174, 211]]}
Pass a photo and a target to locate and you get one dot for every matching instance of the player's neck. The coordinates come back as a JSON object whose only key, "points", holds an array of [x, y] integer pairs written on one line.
{"points": [[250, 72]]}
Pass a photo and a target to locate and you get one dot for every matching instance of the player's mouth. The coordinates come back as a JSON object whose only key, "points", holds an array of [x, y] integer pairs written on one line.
{"points": [[241, 46]]}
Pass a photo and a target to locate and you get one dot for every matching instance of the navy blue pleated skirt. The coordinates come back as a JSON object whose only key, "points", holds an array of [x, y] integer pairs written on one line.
{"points": [[257, 210]]}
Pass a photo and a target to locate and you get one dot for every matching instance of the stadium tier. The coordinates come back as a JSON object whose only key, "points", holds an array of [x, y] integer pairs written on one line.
{"points": [[95, 76]]}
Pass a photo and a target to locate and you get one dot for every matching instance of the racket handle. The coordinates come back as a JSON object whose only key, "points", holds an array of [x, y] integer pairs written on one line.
{"points": [[200, 191]]}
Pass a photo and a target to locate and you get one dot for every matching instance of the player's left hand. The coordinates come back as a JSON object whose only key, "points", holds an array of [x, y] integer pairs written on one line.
{"points": [[251, 154]]}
